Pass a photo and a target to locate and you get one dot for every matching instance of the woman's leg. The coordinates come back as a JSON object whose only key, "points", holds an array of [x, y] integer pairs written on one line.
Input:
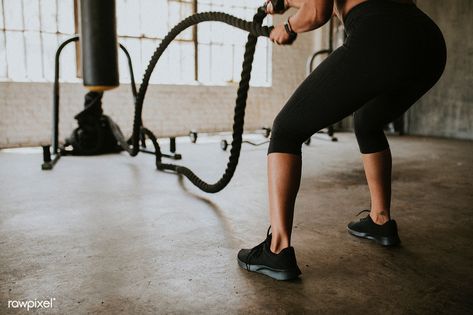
{"points": [[284, 174], [376, 155], [378, 174], [369, 122], [325, 97], [315, 104]]}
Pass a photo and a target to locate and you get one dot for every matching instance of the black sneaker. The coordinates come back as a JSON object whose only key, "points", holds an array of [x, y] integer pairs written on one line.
{"points": [[385, 234], [260, 259]]}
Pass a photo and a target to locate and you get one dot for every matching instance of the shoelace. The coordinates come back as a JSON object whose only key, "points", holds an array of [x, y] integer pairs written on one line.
{"points": [[257, 250], [362, 211]]}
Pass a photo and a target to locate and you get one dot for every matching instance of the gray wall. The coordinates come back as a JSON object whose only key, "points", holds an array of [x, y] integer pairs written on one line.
{"points": [[447, 110]]}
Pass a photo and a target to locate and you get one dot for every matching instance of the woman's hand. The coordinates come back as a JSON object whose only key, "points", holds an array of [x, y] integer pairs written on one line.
{"points": [[280, 36], [270, 8]]}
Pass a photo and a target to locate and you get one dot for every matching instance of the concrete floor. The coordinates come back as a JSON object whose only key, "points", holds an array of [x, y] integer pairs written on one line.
{"points": [[110, 234]]}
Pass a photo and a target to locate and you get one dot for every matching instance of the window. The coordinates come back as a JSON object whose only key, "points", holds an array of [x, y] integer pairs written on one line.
{"points": [[221, 47], [30, 32], [212, 53], [141, 25]]}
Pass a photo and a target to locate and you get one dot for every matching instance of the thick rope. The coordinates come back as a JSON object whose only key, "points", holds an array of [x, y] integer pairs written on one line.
{"points": [[255, 30]]}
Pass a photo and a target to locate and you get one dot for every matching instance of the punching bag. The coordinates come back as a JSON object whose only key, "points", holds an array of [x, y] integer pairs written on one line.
{"points": [[98, 40], [96, 133]]}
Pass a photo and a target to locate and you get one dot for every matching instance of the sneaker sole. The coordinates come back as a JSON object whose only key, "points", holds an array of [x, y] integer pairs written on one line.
{"points": [[381, 240], [278, 274]]}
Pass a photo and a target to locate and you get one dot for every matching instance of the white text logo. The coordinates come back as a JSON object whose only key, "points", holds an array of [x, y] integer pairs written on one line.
{"points": [[30, 304]]}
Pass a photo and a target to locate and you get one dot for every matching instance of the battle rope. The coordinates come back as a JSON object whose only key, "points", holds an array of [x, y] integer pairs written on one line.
{"points": [[255, 30]]}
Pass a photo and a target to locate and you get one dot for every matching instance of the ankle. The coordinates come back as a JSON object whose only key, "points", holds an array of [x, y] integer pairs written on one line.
{"points": [[380, 217], [278, 243]]}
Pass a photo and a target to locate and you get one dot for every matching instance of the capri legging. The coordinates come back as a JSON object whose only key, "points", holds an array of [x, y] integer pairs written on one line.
{"points": [[393, 54]]}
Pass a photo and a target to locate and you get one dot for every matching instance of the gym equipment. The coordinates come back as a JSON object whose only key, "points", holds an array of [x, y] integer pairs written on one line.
{"points": [[255, 29], [57, 150], [94, 134], [132, 146], [224, 144], [193, 136], [266, 133], [99, 45]]}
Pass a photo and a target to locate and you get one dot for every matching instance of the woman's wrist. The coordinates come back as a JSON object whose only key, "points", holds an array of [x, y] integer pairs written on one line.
{"points": [[290, 24], [288, 27]]}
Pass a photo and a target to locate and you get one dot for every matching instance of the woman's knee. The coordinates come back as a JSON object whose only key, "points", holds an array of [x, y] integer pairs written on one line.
{"points": [[370, 137], [285, 136]]}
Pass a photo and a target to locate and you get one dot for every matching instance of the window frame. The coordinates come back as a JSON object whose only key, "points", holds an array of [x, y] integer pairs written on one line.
{"points": [[193, 39]]}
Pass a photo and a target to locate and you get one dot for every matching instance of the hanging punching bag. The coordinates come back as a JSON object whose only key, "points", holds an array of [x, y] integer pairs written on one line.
{"points": [[98, 40]]}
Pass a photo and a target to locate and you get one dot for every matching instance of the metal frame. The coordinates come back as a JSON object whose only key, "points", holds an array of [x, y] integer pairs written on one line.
{"points": [[50, 157], [49, 163]]}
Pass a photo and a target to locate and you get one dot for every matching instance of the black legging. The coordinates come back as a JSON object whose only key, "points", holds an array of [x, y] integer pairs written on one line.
{"points": [[394, 54]]}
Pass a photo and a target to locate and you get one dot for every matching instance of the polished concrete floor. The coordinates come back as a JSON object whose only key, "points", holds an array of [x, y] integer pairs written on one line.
{"points": [[110, 234]]}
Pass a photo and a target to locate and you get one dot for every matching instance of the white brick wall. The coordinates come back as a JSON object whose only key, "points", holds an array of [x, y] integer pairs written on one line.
{"points": [[26, 108]]}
